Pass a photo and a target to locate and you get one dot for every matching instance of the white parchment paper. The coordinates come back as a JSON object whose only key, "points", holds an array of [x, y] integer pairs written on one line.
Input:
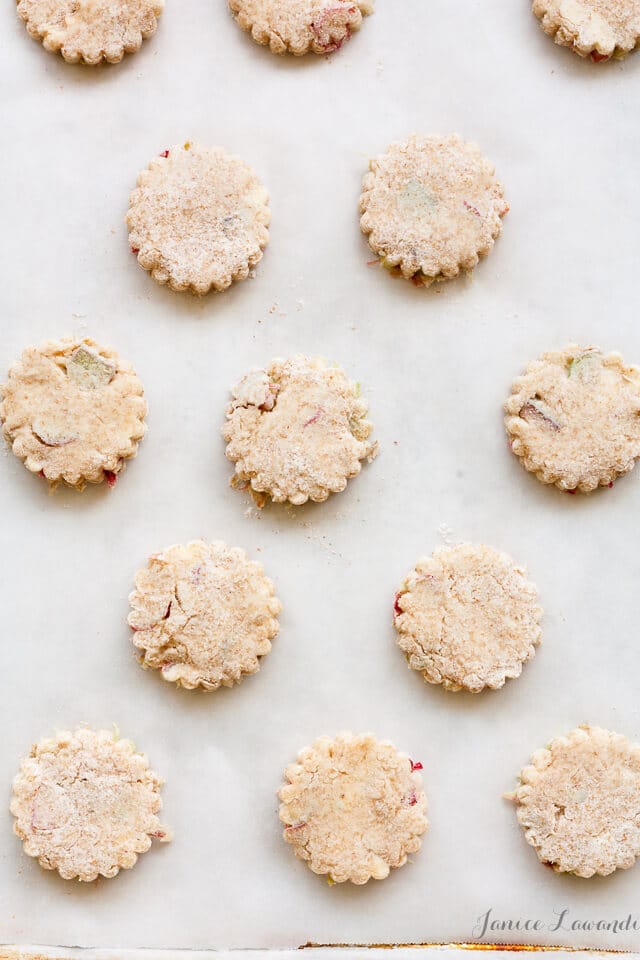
{"points": [[435, 366]]}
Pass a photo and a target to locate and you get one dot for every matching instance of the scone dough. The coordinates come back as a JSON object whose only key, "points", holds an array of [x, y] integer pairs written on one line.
{"points": [[297, 431], [202, 614], [353, 807], [467, 618], [86, 804], [198, 218], [300, 26], [71, 410], [431, 207], [578, 802], [91, 30], [573, 418], [599, 29]]}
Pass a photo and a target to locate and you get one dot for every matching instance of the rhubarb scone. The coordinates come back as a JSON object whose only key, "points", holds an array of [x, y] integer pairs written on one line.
{"points": [[86, 804], [297, 431], [91, 31], [467, 617], [431, 207], [203, 614], [301, 26], [600, 29], [198, 218], [73, 411], [573, 418], [353, 807], [578, 802]]}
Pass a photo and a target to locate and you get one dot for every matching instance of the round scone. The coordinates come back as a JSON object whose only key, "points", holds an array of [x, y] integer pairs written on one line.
{"points": [[353, 807], [71, 410], [91, 30], [599, 29], [573, 418], [431, 207], [578, 802], [300, 26], [297, 431], [468, 618], [198, 218], [86, 804], [203, 614]]}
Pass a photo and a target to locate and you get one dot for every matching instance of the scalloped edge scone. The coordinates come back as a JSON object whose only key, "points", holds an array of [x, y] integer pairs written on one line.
{"points": [[301, 26], [91, 31], [297, 431], [599, 29], [203, 614], [73, 411], [86, 803], [353, 807]]}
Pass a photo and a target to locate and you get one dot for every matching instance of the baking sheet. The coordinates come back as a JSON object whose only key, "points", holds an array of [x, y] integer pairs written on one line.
{"points": [[435, 366]]}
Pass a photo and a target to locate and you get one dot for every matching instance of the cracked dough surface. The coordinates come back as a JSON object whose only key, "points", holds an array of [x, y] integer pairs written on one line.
{"points": [[353, 807], [203, 614], [431, 207], [300, 26], [91, 30], [73, 411], [573, 418], [468, 618], [86, 804], [579, 802], [297, 430], [597, 28], [198, 218]]}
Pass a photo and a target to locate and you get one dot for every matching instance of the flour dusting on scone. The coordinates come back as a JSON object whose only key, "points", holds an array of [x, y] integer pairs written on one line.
{"points": [[297, 431], [578, 802], [353, 807], [573, 418], [91, 31], [600, 29], [301, 26], [431, 207], [203, 614], [198, 218], [73, 411], [86, 804], [468, 618]]}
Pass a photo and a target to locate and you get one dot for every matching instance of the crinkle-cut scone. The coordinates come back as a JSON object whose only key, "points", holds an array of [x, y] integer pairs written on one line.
{"points": [[86, 804], [353, 807], [91, 30], [578, 802], [468, 618], [72, 410], [198, 218], [431, 207], [203, 614], [297, 431], [301, 26], [573, 418], [599, 29]]}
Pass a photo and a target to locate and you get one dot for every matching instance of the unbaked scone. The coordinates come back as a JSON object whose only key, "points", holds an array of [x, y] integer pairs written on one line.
{"points": [[300, 26], [91, 30], [203, 614], [573, 418], [198, 218], [86, 804], [353, 807], [297, 431], [73, 411], [599, 29], [431, 207], [579, 801], [468, 618]]}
